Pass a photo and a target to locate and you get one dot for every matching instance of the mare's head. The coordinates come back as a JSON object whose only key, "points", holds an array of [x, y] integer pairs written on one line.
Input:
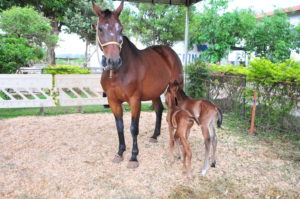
{"points": [[109, 35]]}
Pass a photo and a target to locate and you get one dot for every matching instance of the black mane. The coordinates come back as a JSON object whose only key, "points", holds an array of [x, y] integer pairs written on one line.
{"points": [[129, 44]]}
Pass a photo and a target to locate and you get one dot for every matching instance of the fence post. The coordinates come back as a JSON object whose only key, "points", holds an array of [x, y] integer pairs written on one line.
{"points": [[253, 114], [80, 109], [244, 99], [42, 111]]}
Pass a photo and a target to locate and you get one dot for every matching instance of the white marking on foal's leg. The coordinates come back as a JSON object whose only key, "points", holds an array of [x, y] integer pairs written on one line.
{"points": [[203, 172]]}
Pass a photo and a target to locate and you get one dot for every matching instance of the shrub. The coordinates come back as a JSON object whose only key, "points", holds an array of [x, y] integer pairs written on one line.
{"points": [[277, 86], [15, 53], [54, 70], [198, 73]]}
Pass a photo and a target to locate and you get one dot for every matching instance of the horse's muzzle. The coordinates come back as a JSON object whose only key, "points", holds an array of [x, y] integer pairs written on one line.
{"points": [[114, 63]]}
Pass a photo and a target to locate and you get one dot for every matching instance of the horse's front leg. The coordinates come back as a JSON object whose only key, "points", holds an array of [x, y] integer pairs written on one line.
{"points": [[117, 110], [135, 105], [158, 107]]}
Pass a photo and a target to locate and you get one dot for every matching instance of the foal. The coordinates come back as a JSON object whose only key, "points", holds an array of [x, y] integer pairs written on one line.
{"points": [[205, 113], [182, 121]]}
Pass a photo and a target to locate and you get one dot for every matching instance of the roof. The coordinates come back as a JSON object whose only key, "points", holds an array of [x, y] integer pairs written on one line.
{"points": [[286, 10], [170, 2]]}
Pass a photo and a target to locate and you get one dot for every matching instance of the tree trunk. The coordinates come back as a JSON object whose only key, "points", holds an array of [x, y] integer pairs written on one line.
{"points": [[51, 48], [86, 58], [51, 55]]}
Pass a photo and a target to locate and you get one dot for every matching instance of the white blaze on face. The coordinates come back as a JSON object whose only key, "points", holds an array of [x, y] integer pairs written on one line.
{"points": [[117, 27], [105, 26]]}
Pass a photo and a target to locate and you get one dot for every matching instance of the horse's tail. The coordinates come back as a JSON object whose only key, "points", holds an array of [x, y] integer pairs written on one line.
{"points": [[220, 118]]}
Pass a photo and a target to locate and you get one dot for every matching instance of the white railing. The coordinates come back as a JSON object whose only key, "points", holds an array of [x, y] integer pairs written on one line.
{"points": [[78, 90], [40, 90], [25, 91]]}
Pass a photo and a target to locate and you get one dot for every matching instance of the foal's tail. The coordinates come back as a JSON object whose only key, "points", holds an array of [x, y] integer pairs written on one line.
{"points": [[220, 118]]}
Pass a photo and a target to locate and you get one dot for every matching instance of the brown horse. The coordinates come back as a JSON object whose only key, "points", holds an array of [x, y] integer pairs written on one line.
{"points": [[181, 121], [132, 76], [205, 114]]}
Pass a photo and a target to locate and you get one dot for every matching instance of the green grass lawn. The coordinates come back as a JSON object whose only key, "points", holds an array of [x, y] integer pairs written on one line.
{"points": [[67, 62], [58, 110]]}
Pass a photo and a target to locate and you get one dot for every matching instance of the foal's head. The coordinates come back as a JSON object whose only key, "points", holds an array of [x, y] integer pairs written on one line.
{"points": [[109, 35], [176, 92]]}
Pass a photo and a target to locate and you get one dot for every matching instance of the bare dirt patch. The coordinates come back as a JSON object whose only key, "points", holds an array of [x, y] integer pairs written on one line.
{"points": [[69, 156]]}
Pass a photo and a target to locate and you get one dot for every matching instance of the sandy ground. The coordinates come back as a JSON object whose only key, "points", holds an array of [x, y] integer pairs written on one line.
{"points": [[69, 156]]}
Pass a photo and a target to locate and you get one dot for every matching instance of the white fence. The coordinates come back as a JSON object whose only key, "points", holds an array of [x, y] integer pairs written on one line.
{"points": [[36, 90], [25, 91], [78, 90], [40, 90]]}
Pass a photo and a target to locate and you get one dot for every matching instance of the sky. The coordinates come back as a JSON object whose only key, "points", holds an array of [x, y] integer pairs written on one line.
{"points": [[71, 44]]}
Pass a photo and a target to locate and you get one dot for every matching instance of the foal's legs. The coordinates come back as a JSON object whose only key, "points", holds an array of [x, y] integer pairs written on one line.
{"points": [[171, 141], [214, 144], [135, 105], [158, 107], [118, 113], [187, 156], [207, 142]]}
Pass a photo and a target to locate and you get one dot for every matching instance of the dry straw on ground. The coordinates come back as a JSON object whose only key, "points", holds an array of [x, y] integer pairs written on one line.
{"points": [[69, 156]]}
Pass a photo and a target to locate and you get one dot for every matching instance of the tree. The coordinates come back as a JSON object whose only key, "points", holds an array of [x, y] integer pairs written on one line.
{"points": [[26, 23], [54, 10], [80, 21], [273, 37], [15, 53], [219, 29], [158, 24]]}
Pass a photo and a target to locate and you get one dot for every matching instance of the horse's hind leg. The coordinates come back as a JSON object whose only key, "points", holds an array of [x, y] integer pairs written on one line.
{"points": [[118, 113], [214, 141], [178, 146], [158, 107], [207, 142], [187, 157], [171, 141]]}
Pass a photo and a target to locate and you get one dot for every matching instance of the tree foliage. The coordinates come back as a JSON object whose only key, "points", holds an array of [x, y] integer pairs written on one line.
{"points": [[155, 24], [273, 37], [219, 29], [15, 53], [26, 23], [54, 10]]}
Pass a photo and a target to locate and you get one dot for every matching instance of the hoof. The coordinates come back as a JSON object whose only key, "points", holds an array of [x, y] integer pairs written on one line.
{"points": [[153, 140], [117, 159], [179, 157], [133, 164], [203, 173], [189, 176], [213, 164]]}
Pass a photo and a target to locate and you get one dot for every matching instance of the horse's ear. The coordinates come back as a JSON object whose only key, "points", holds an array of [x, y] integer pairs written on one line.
{"points": [[97, 10], [119, 9]]}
